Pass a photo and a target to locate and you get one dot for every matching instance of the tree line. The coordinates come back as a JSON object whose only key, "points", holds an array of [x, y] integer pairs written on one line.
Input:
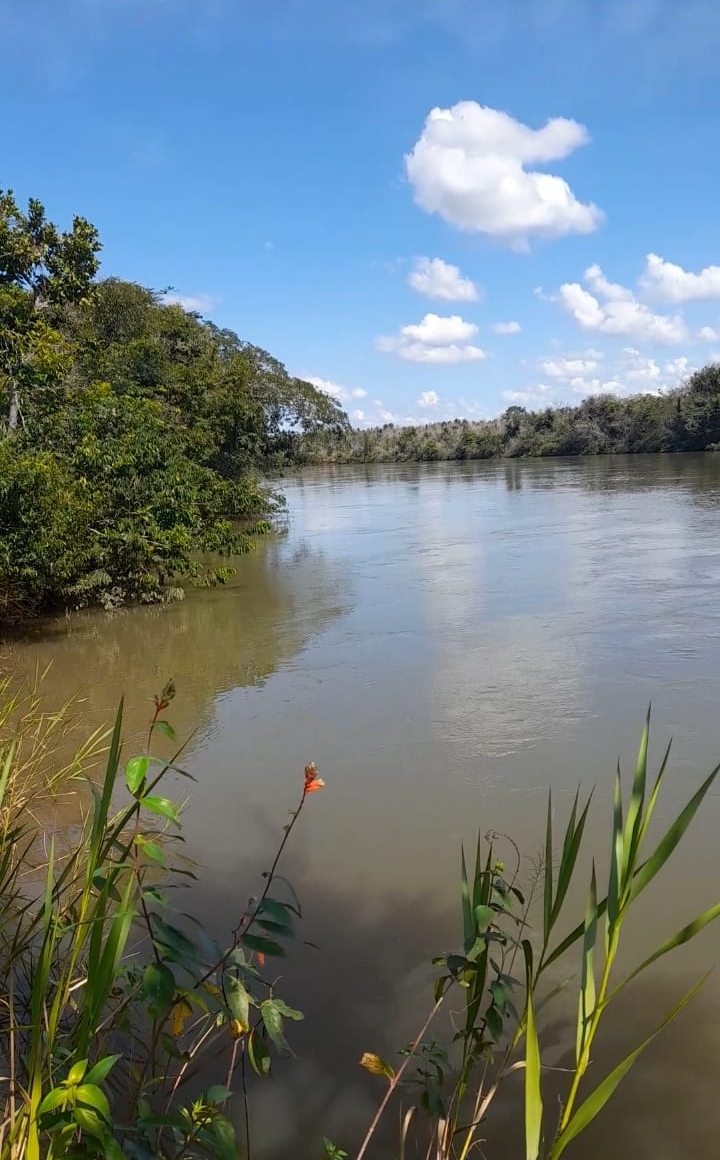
{"points": [[684, 419], [134, 435]]}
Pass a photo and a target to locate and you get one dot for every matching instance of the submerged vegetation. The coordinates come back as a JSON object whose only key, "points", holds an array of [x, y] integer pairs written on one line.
{"points": [[128, 1031], [686, 419], [133, 434]]}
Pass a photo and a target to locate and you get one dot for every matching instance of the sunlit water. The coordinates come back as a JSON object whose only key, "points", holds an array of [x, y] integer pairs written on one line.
{"points": [[445, 642]]}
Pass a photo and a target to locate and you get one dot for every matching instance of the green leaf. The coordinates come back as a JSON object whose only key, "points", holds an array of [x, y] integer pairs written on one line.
{"points": [[161, 806], [174, 943], [597, 1100], [494, 1022], [258, 1053], [276, 928], [616, 857], [288, 1012], [217, 1094], [135, 774], [166, 729], [484, 915], [238, 1001], [570, 851], [533, 1092], [273, 1021], [548, 872], [90, 1122], [633, 822], [587, 996], [152, 894], [668, 843], [91, 1096], [159, 985], [100, 1071], [77, 1072], [683, 936], [54, 1099], [278, 911], [151, 850], [265, 946]]}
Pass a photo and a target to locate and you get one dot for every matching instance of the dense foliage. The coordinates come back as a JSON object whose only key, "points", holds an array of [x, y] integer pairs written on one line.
{"points": [[686, 419], [134, 434]]}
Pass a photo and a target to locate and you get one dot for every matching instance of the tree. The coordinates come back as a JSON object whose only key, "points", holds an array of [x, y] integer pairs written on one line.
{"points": [[41, 270]]}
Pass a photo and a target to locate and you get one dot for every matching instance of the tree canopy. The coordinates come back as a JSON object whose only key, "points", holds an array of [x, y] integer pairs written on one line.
{"points": [[135, 434], [684, 419]]}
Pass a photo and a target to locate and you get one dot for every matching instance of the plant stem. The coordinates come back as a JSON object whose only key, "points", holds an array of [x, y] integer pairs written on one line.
{"points": [[396, 1080], [592, 1031]]}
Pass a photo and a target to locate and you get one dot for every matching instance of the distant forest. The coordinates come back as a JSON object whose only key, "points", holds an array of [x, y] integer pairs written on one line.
{"points": [[685, 419]]}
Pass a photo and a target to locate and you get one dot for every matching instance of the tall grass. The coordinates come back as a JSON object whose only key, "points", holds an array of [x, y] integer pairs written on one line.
{"points": [[115, 1008], [499, 975]]}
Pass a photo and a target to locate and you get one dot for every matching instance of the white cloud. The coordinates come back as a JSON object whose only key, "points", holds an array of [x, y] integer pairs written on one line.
{"points": [[342, 394], [597, 281], [539, 394], [428, 399], [357, 416], [576, 377], [620, 314], [438, 330], [673, 284], [199, 303], [468, 166], [507, 328], [569, 368], [436, 339], [437, 279], [709, 334]]}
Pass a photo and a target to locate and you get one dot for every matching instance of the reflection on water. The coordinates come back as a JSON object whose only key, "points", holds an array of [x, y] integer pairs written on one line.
{"points": [[213, 641], [445, 641]]}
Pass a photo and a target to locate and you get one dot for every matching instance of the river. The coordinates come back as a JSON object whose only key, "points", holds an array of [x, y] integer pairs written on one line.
{"points": [[445, 642]]}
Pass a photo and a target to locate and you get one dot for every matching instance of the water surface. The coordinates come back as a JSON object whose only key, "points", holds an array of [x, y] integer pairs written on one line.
{"points": [[446, 642]]}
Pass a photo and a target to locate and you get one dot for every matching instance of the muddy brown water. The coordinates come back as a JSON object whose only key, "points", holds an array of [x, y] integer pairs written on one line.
{"points": [[445, 642]]}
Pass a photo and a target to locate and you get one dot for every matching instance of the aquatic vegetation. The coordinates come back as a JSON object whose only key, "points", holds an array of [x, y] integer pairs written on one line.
{"points": [[115, 1006]]}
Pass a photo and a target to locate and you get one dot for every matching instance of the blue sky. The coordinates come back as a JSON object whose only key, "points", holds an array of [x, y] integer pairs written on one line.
{"points": [[375, 190]]}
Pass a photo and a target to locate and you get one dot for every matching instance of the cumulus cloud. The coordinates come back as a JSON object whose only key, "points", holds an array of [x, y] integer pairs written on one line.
{"points": [[576, 376], [435, 339], [507, 328], [342, 394], [437, 279], [469, 166], [709, 334], [570, 368], [196, 303], [428, 399], [614, 311], [673, 284]]}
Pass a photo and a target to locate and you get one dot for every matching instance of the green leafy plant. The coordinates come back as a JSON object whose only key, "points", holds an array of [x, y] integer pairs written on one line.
{"points": [[497, 1027], [111, 998]]}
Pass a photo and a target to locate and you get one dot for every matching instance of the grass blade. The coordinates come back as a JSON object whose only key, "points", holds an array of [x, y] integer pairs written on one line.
{"points": [[616, 857], [548, 885], [673, 835], [683, 936], [587, 996], [533, 1091], [597, 1100], [637, 802], [571, 849]]}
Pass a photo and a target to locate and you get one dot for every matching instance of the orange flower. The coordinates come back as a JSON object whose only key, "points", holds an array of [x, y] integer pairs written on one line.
{"points": [[312, 781], [261, 959]]}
